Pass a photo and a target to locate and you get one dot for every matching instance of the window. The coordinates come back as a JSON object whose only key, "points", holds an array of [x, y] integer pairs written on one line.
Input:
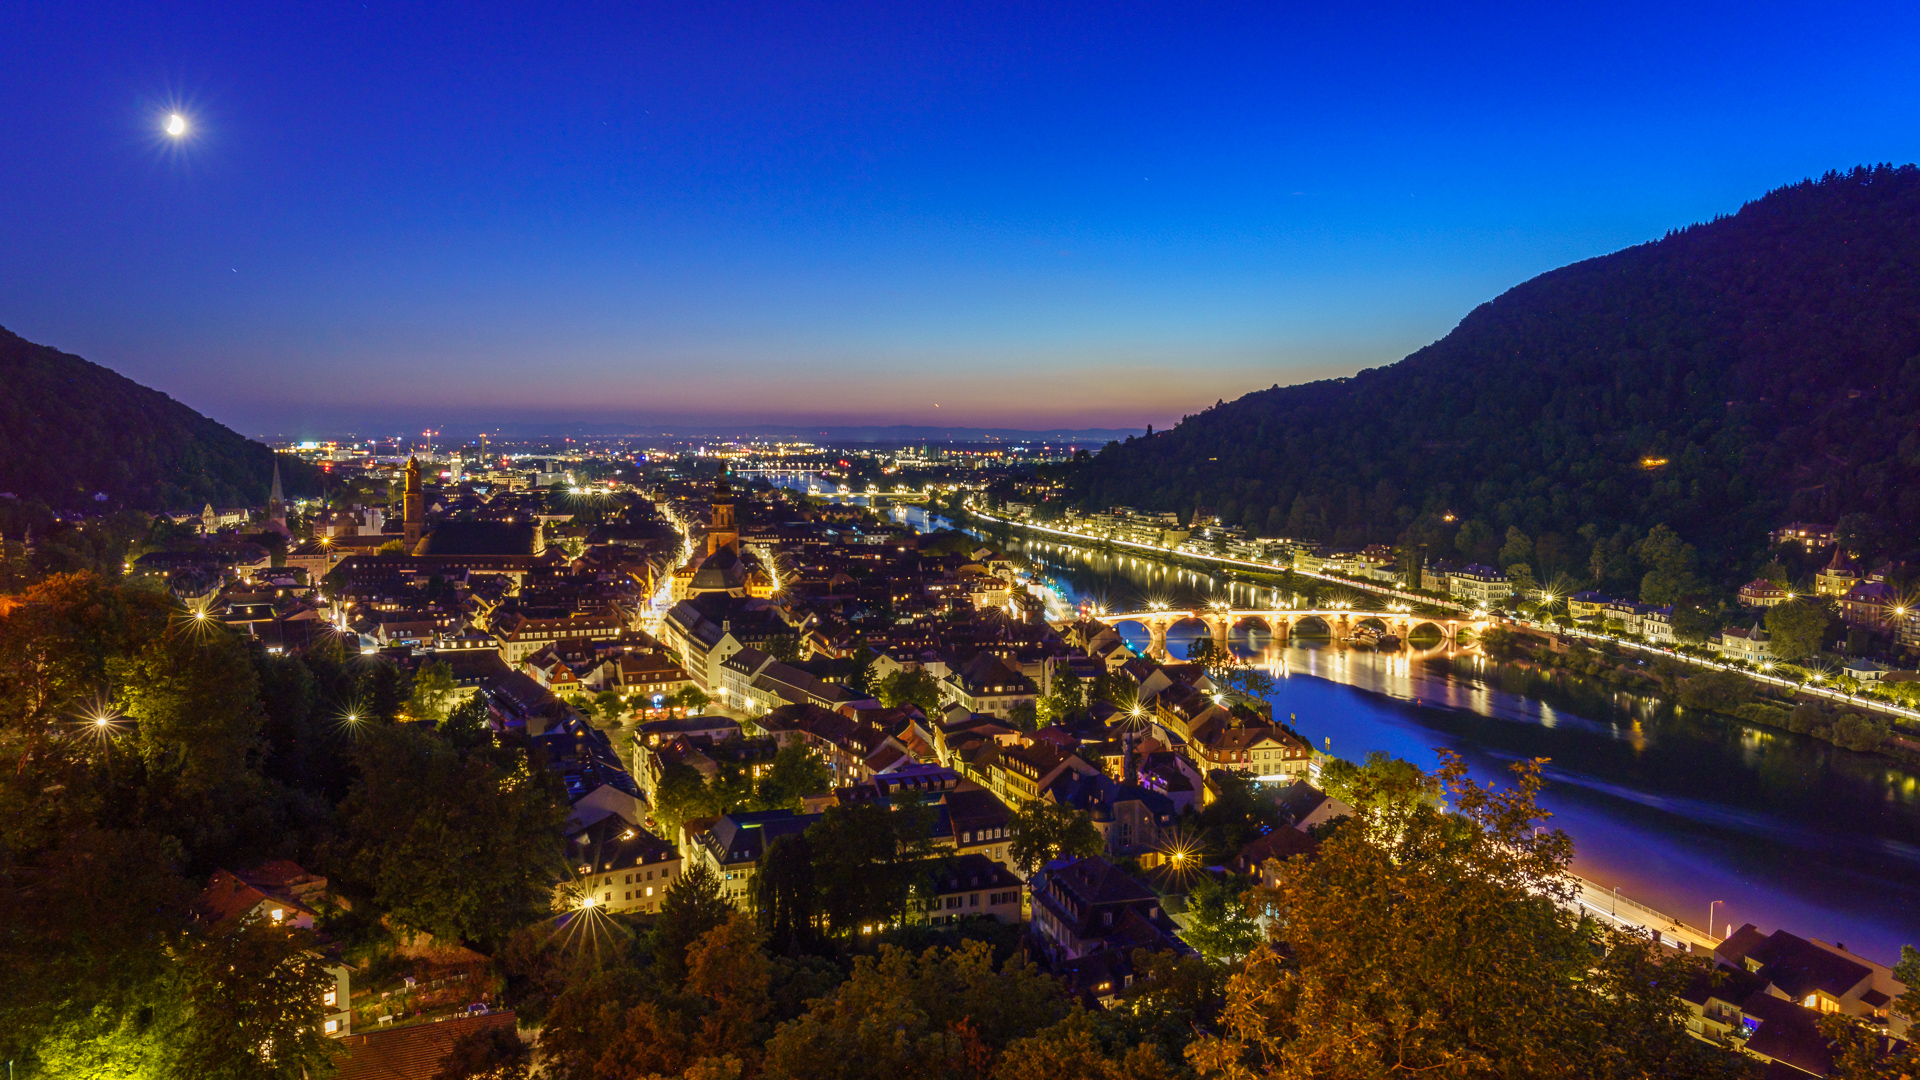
{"points": [[330, 997], [333, 1026], [279, 914]]}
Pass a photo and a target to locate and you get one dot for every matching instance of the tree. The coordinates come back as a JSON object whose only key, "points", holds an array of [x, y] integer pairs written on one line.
{"points": [[784, 893], [1083, 1046], [1518, 547], [195, 700], [1115, 689], [865, 856], [1381, 777], [1798, 628], [1520, 577], [1221, 928], [1439, 943], [797, 771], [691, 698], [678, 795], [902, 1017], [1670, 567], [1041, 832], [433, 689], [693, 906], [1227, 671], [785, 648], [461, 846], [78, 982], [253, 992], [910, 687], [1693, 623]]}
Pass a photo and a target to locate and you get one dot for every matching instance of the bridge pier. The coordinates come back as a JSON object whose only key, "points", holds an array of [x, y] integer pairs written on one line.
{"points": [[1220, 626], [1340, 623]]}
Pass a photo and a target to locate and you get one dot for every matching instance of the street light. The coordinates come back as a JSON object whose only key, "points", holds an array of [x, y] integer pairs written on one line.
{"points": [[1710, 908]]}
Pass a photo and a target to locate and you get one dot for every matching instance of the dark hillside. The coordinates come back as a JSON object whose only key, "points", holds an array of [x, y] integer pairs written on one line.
{"points": [[1770, 358], [70, 429]]}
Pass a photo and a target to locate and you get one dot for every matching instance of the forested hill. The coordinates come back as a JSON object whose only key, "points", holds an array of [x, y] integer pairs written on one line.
{"points": [[70, 429], [1771, 358]]}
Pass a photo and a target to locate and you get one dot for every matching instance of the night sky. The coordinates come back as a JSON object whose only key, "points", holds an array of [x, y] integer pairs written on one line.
{"points": [[1033, 215]]}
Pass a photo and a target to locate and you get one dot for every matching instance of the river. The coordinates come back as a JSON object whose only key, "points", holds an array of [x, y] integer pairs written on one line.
{"points": [[1676, 810]]}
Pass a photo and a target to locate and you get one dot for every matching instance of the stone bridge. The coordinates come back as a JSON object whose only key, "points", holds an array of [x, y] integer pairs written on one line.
{"points": [[1340, 622]]}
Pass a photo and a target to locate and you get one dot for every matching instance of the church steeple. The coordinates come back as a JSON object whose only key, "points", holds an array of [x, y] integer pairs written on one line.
{"points": [[722, 531], [277, 503], [413, 506]]}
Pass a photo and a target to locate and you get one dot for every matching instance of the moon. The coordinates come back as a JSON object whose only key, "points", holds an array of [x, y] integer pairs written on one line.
{"points": [[176, 125]]}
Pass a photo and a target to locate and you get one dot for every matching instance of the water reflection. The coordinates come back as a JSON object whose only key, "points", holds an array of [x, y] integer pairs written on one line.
{"points": [[1678, 810]]}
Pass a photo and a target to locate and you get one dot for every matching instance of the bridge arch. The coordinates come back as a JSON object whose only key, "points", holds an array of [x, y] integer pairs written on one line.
{"points": [[1253, 633], [1313, 626], [1137, 633]]}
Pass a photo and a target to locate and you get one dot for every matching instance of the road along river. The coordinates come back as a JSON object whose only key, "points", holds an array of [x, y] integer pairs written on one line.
{"points": [[1677, 812], [1674, 810]]}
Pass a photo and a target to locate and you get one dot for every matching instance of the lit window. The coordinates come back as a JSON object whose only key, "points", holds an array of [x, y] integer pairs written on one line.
{"points": [[333, 1026], [279, 914]]}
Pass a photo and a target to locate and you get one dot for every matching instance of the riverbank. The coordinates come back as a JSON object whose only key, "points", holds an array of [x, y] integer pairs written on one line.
{"points": [[1673, 810], [1533, 663], [1677, 808]]}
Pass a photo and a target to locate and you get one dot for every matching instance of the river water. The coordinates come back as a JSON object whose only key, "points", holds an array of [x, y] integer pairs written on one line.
{"points": [[1676, 810]]}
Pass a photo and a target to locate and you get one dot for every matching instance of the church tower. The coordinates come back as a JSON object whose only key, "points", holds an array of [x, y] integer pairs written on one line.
{"points": [[722, 532], [413, 506], [277, 503]]}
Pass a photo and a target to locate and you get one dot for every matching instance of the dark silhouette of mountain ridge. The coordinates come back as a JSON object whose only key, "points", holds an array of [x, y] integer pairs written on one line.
{"points": [[1722, 380], [71, 430]]}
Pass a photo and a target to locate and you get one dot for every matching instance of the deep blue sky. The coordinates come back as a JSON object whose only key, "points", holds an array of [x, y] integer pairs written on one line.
{"points": [[1033, 215]]}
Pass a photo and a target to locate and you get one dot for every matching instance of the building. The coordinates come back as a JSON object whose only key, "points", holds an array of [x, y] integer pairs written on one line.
{"points": [[285, 893], [1089, 906], [1131, 818], [414, 1052], [277, 504], [1805, 534], [619, 866], [1262, 751], [1656, 625], [1872, 605], [985, 684], [1751, 645], [521, 635], [413, 508], [965, 887], [1817, 976], [1587, 605], [1839, 575], [1480, 586], [1761, 593], [733, 845]]}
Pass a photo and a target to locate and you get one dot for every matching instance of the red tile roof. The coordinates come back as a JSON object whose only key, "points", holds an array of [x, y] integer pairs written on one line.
{"points": [[409, 1053]]}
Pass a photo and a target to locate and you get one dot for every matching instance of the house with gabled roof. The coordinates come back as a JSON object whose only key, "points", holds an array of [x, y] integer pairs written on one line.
{"points": [[1085, 906], [286, 894], [619, 866]]}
